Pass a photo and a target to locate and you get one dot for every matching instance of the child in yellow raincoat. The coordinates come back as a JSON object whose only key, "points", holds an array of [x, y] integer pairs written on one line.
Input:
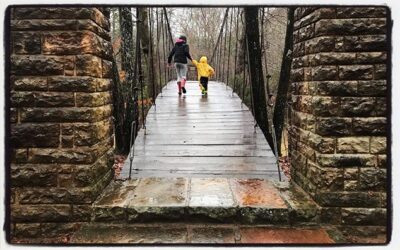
{"points": [[204, 72]]}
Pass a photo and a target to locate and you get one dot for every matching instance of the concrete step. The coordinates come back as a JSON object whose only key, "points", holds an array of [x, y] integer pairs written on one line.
{"points": [[192, 200], [180, 233]]}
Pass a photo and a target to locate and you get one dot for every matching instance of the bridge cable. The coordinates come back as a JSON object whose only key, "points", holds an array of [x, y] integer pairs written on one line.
{"points": [[151, 54], [219, 36], [158, 53], [224, 54], [236, 51], [229, 48], [164, 45]]}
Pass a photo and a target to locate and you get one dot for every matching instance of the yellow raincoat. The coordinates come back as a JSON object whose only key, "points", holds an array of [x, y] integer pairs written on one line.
{"points": [[203, 69]]}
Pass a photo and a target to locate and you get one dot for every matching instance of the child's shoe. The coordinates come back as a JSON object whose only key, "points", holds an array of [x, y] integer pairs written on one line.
{"points": [[183, 83]]}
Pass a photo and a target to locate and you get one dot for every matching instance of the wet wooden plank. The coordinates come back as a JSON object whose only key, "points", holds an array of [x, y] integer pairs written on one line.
{"points": [[193, 135]]}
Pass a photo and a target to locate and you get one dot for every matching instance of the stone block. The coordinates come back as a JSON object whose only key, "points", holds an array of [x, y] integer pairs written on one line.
{"points": [[326, 179], [93, 99], [372, 88], [356, 72], [298, 49], [35, 135], [350, 185], [372, 179], [320, 144], [61, 13], [54, 99], [319, 44], [314, 16], [37, 65], [78, 84], [381, 106], [30, 83], [369, 126], [107, 70], [337, 88], [380, 72], [332, 58], [305, 33], [355, 26], [382, 161], [67, 114], [364, 216], [360, 12], [321, 73], [88, 65], [32, 175], [357, 106], [65, 180], [43, 25], [378, 145], [351, 173], [53, 195], [13, 115], [371, 57], [297, 75], [364, 43], [330, 215], [67, 141], [68, 156], [41, 213], [81, 212], [325, 106], [348, 199], [346, 160], [353, 145], [20, 155], [91, 133], [26, 43], [74, 43], [333, 126], [22, 99]]}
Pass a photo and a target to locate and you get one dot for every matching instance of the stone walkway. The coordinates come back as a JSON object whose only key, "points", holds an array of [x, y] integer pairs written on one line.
{"points": [[221, 200], [168, 233], [198, 136], [204, 211]]}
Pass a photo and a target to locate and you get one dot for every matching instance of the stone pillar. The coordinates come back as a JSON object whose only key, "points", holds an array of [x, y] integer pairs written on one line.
{"points": [[60, 115], [338, 116]]}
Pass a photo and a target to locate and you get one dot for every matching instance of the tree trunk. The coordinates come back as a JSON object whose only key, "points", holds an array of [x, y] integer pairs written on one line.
{"points": [[256, 71], [281, 98], [148, 50], [128, 84]]}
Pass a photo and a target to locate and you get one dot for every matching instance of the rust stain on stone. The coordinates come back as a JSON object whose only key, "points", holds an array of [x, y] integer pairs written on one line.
{"points": [[284, 235], [256, 192]]}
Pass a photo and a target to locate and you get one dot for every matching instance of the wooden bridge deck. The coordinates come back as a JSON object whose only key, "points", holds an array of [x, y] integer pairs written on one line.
{"points": [[196, 136]]}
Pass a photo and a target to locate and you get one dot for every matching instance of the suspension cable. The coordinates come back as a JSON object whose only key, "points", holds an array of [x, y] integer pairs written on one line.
{"points": [[168, 26], [219, 36], [244, 61], [266, 60], [158, 53], [236, 51], [229, 48], [164, 44], [224, 54], [151, 59]]}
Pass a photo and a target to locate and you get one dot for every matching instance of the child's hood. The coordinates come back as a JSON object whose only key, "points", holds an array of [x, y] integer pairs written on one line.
{"points": [[203, 59]]}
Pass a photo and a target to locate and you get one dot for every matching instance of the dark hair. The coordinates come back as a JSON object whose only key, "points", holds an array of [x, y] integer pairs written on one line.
{"points": [[183, 38]]}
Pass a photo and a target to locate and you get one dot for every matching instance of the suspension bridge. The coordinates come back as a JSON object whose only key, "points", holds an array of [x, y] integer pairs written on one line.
{"points": [[195, 135], [200, 136]]}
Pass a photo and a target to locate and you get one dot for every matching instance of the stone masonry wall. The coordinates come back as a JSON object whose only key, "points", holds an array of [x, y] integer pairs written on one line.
{"points": [[338, 134], [60, 114]]}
